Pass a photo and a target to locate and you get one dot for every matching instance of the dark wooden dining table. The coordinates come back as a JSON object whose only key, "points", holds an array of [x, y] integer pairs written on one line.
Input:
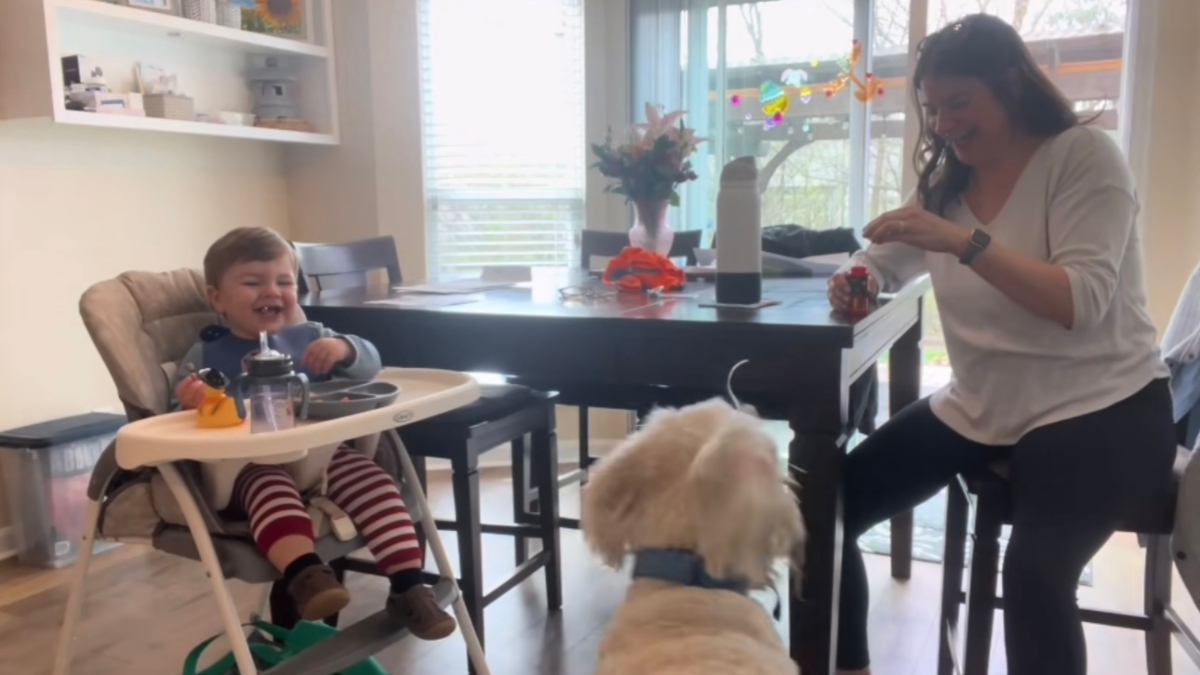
{"points": [[802, 359]]}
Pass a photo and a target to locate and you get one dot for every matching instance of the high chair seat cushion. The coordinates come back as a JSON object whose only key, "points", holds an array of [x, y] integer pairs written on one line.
{"points": [[141, 323], [238, 556]]}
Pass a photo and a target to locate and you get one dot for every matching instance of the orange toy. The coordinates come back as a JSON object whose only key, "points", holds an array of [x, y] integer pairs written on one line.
{"points": [[218, 409], [637, 269]]}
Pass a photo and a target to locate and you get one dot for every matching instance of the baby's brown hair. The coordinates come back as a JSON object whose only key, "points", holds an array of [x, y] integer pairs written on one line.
{"points": [[241, 245]]}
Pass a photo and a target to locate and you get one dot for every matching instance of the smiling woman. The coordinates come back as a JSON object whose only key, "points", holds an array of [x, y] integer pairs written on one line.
{"points": [[1024, 218]]}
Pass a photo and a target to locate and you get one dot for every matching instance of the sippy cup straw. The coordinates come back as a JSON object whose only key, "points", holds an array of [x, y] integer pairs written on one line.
{"points": [[264, 348]]}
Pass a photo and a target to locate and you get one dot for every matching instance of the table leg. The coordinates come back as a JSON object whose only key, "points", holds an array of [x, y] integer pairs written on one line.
{"points": [[904, 389], [813, 614]]}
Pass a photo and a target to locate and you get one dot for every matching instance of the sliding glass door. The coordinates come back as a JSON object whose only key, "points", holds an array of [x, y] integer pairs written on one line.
{"points": [[752, 77]]}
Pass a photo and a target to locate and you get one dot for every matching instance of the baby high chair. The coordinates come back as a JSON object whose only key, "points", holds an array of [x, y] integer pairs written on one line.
{"points": [[142, 323]]}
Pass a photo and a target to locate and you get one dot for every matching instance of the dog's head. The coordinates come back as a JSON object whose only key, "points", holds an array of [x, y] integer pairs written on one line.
{"points": [[706, 479]]}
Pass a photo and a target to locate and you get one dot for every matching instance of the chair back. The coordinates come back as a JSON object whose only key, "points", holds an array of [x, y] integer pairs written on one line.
{"points": [[326, 267], [596, 243], [1181, 351], [143, 323]]}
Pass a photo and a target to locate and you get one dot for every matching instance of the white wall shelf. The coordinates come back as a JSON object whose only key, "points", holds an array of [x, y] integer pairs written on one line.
{"points": [[88, 119], [210, 61], [117, 19]]}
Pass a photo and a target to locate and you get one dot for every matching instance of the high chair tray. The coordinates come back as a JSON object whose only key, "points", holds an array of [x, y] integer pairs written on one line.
{"points": [[176, 436]]}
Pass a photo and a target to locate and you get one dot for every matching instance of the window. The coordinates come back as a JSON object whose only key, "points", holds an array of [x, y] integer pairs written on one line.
{"points": [[827, 164], [713, 59], [503, 135]]}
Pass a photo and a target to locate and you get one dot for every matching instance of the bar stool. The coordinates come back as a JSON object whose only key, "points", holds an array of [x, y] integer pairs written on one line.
{"points": [[988, 492]]}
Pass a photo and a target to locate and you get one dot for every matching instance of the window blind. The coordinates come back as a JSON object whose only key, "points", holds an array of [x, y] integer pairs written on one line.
{"points": [[502, 87]]}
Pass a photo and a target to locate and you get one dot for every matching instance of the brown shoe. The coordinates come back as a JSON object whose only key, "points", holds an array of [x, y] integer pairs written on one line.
{"points": [[318, 594], [418, 610]]}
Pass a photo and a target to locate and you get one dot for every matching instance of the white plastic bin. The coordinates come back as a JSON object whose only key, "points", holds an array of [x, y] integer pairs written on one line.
{"points": [[47, 468]]}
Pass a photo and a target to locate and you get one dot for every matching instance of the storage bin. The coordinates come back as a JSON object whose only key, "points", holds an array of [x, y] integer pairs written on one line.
{"points": [[170, 106], [46, 469]]}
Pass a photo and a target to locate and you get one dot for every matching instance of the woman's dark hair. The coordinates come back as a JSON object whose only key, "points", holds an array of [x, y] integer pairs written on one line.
{"points": [[986, 48]]}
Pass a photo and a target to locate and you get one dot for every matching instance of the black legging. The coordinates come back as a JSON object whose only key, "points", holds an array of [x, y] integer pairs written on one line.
{"points": [[1072, 482]]}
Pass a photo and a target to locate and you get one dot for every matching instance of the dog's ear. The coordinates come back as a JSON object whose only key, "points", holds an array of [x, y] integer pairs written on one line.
{"points": [[746, 516], [610, 501]]}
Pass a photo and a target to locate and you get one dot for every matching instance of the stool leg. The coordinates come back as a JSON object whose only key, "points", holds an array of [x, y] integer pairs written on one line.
{"points": [[902, 545], [585, 455], [520, 495], [953, 560], [470, 538], [545, 467], [981, 596], [1157, 597]]}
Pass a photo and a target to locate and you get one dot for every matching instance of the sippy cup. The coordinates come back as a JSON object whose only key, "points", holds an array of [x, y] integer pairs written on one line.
{"points": [[272, 387]]}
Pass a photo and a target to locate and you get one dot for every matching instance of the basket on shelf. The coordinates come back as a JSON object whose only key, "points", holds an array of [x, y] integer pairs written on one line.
{"points": [[285, 125], [229, 14], [170, 106], [200, 10]]}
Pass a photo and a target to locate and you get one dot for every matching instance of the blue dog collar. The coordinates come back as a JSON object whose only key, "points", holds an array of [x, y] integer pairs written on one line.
{"points": [[683, 568]]}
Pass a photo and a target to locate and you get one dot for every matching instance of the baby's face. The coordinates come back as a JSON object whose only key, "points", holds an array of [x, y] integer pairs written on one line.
{"points": [[257, 296]]}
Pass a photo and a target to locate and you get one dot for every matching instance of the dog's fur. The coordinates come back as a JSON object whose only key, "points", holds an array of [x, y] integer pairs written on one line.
{"points": [[704, 479]]}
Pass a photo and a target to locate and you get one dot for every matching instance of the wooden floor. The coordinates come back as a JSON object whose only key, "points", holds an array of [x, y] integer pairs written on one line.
{"points": [[145, 611]]}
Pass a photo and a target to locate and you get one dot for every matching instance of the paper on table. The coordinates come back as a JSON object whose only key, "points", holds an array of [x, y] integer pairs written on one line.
{"points": [[423, 301], [773, 263], [456, 287], [816, 265]]}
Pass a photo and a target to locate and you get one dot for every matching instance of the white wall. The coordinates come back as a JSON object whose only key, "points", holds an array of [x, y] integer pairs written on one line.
{"points": [[372, 183], [81, 205], [1170, 181]]}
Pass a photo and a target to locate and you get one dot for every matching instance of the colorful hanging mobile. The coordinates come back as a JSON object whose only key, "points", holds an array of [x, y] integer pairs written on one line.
{"points": [[863, 90]]}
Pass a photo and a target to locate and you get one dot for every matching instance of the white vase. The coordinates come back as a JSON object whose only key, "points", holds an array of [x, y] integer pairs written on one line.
{"points": [[651, 231]]}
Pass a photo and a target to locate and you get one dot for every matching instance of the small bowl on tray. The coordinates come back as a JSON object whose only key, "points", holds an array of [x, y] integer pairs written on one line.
{"points": [[341, 398]]}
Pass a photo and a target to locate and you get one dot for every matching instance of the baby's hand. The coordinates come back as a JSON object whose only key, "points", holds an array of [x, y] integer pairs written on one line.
{"points": [[326, 354], [190, 393]]}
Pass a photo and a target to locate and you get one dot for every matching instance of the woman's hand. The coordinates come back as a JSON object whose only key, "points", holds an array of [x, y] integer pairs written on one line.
{"points": [[839, 290], [919, 228]]}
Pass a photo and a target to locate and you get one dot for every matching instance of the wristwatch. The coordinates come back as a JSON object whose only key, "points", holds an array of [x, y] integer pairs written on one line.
{"points": [[979, 241]]}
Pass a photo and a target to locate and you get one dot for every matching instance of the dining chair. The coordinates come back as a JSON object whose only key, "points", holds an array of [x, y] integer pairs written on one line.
{"points": [[504, 414], [601, 244]]}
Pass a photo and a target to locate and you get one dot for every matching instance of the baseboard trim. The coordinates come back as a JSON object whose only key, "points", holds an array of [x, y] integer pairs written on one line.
{"points": [[568, 453], [8, 543]]}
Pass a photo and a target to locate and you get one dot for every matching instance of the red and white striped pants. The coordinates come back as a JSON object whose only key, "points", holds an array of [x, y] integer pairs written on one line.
{"points": [[268, 495]]}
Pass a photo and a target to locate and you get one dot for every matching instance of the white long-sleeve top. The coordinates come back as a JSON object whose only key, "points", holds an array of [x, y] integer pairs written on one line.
{"points": [[1075, 206]]}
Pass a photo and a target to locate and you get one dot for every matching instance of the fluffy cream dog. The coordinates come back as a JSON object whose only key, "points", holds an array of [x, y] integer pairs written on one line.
{"points": [[699, 485]]}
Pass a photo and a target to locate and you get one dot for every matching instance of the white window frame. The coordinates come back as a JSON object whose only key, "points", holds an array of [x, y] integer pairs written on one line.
{"points": [[571, 200]]}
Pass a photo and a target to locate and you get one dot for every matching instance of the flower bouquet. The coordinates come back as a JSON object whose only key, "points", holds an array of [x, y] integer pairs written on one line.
{"points": [[648, 168]]}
